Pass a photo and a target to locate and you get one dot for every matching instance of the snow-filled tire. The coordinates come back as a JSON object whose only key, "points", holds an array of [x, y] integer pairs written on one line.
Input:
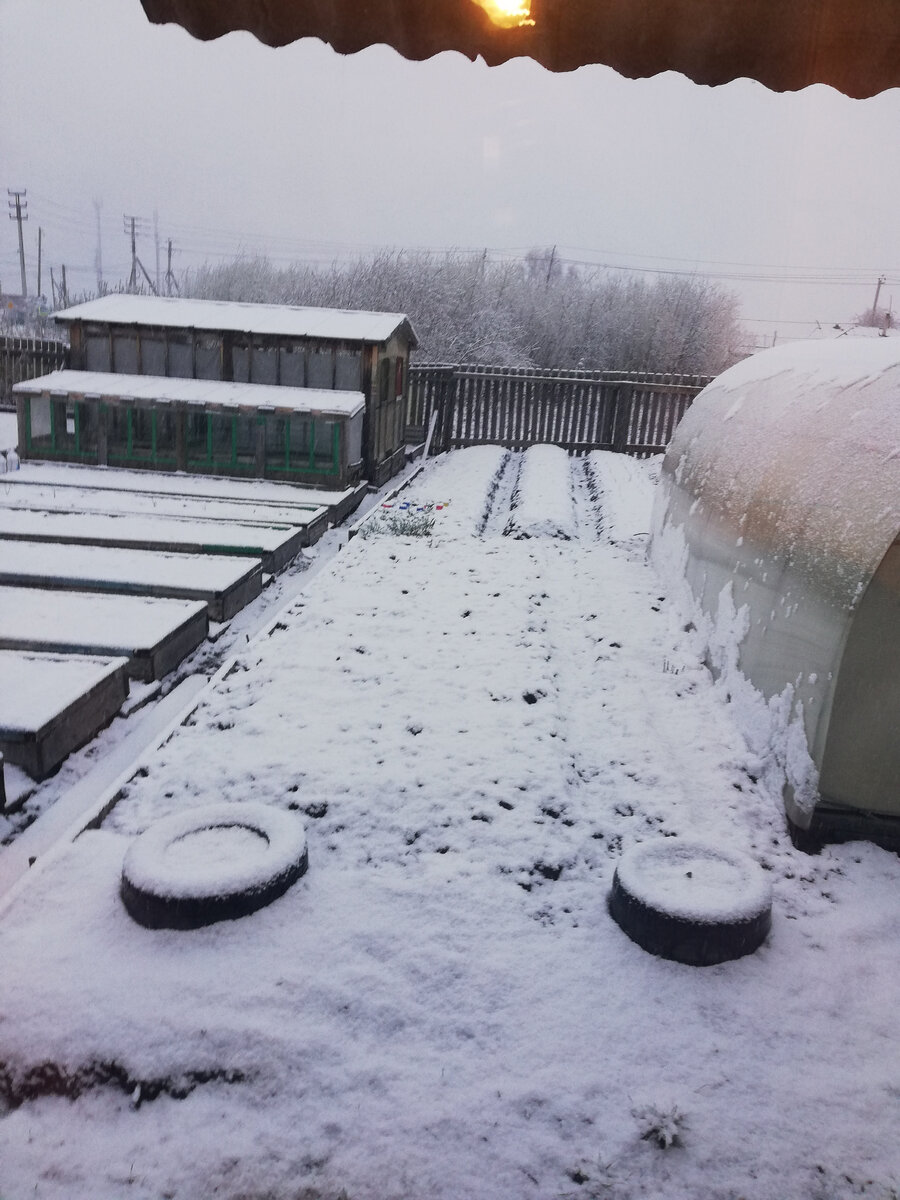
{"points": [[162, 895], [691, 901]]}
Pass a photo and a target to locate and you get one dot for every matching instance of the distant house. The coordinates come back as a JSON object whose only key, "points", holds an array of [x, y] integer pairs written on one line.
{"points": [[306, 395]]}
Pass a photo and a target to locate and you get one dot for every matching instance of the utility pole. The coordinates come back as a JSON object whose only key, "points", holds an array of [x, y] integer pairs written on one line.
{"points": [[170, 275], [156, 244], [550, 266], [17, 213], [98, 256], [131, 225], [40, 232], [881, 280], [64, 290]]}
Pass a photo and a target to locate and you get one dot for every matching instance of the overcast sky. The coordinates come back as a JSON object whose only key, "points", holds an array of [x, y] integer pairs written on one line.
{"points": [[302, 153]]}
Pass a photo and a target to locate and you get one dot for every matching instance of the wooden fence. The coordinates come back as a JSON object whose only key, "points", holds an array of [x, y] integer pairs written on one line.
{"points": [[27, 358], [632, 412]]}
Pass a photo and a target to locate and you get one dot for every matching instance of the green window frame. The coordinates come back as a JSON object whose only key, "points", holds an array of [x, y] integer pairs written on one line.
{"points": [[233, 461], [61, 444], [153, 456], [312, 461]]}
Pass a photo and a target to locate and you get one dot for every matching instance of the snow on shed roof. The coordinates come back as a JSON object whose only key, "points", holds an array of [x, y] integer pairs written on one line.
{"points": [[156, 388], [282, 320]]}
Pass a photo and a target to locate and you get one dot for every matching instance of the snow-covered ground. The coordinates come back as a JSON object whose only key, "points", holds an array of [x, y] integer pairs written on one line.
{"points": [[196, 487], [473, 728]]}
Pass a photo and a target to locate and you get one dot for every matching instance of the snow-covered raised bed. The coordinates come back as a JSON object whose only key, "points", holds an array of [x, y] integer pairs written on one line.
{"points": [[625, 487], [543, 504], [226, 584], [51, 704]]}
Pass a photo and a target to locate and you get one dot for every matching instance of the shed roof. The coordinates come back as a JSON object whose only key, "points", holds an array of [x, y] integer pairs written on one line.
{"points": [[201, 392], [279, 320]]}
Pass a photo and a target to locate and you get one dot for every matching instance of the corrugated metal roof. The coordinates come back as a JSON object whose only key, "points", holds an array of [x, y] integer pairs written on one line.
{"points": [[280, 320], [194, 391]]}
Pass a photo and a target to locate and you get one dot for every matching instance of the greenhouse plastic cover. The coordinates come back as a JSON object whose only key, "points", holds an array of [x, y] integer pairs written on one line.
{"points": [[782, 490]]}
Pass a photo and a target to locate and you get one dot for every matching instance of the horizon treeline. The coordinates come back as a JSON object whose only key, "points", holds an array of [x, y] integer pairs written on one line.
{"points": [[531, 312]]}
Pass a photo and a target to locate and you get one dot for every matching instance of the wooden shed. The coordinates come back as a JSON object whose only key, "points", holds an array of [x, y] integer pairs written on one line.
{"points": [[259, 345]]}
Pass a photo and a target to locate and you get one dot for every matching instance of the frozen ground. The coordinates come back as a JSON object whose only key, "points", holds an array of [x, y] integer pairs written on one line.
{"points": [[473, 727]]}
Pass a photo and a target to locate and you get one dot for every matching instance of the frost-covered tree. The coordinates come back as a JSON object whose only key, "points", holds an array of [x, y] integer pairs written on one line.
{"points": [[537, 311]]}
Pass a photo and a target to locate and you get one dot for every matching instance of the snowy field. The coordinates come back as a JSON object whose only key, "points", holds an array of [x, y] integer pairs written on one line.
{"points": [[473, 727]]}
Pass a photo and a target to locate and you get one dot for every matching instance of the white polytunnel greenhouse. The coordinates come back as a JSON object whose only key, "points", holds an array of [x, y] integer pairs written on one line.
{"points": [[779, 504]]}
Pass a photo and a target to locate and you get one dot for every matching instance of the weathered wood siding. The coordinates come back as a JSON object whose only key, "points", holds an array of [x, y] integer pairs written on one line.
{"points": [[632, 412], [27, 358]]}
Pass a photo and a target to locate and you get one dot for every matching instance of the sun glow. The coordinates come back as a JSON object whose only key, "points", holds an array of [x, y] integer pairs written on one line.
{"points": [[507, 13]]}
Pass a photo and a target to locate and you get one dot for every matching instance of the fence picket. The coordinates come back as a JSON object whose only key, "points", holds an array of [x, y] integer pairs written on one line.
{"points": [[634, 412], [28, 358]]}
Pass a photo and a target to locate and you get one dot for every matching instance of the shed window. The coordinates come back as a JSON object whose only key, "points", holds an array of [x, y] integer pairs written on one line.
{"points": [[153, 355], [321, 369], [325, 446], [293, 367], [240, 364], [62, 427], [224, 442], [264, 366], [348, 371], [96, 352], [300, 438], [142, 439], [299, 444], [354, 438], [141, 436], [208, 357], [277, 455], [181, 357], [39, 419], [125, 353]]}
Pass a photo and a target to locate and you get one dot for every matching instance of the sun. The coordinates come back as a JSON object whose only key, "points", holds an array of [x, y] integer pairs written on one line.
{"points": [[507, 13]]}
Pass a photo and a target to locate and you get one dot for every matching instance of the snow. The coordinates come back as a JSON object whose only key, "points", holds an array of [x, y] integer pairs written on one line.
{"points": [[99, 528], [542, 503], [839, 362], [695, 881], [473, 728], [626, 488], [86, 619], [218, 850], [107, 385], [281, 320], [34, 688], [173, 483], [85, 802], [108, 567], [71, 499]]}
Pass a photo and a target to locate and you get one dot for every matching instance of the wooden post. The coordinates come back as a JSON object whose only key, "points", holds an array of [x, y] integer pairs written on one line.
{"points": [[621, 413]]}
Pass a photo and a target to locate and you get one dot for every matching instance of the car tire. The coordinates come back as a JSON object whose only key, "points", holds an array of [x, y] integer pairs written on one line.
{"points": [[691, 901], [166, 885]]}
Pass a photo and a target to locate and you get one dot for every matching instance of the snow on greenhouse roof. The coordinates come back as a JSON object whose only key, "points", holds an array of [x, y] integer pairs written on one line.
{"points": [[836, 363], [281, 320], [106, 385]]}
